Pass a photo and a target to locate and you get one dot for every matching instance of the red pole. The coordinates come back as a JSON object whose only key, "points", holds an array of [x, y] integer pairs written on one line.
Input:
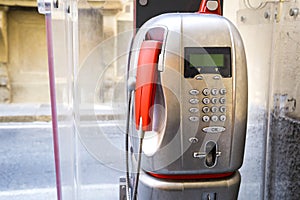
{"points": [[53, 105]]}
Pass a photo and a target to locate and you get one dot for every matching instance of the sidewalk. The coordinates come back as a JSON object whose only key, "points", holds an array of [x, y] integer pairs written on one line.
{"points": [[42, 112], [25, 112], [27, 168]]}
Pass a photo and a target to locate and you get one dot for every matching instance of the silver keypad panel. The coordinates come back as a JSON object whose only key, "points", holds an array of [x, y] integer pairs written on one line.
{"points": [[212, 105]]}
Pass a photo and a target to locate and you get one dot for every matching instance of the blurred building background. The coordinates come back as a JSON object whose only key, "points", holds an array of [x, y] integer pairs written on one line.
{"points": [[23, 51]]}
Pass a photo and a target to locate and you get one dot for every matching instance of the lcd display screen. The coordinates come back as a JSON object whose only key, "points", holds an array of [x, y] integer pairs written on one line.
{"points": [[207, 60]]}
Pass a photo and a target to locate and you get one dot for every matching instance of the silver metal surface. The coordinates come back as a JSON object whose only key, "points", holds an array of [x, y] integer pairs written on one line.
{"points": [[225, 189]]}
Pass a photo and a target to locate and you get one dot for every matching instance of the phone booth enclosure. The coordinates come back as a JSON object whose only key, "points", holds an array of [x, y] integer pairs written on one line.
{"points": [[145, 10], [90, 43]]}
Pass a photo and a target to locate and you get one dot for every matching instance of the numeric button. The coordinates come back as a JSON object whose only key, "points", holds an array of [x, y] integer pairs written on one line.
{"points": [[206, 92], [222, 118], [222, 109], [214, 92], [206, 101], [205, 118], [222, 100], [214, 118], [205, 109], [214, 109], [222, 91], [214, 100]]}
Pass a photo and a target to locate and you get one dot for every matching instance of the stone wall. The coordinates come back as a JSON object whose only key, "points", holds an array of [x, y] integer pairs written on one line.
{"points": [[27, 64], [23, 49]]}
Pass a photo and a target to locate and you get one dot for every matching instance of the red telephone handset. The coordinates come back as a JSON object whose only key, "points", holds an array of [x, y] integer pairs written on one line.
{"points": [[146, 79]]}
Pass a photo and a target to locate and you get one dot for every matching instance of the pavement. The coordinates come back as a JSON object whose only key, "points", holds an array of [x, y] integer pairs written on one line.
{"points": [[25, 112], [27, 165], [42, 112]]}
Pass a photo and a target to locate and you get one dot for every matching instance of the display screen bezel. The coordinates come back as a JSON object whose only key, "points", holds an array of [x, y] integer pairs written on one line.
{"points": [[191, 71]]}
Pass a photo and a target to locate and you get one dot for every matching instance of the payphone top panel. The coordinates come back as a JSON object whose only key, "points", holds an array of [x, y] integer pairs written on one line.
{"points": [[146, 9]]}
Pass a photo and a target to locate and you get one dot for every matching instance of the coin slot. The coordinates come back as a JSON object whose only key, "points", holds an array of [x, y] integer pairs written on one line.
{"points": [[211, 154]]}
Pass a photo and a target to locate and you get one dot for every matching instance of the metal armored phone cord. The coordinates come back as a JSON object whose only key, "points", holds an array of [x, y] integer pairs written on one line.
{"points": [[136, 183], [131, 92], [131, 89]]}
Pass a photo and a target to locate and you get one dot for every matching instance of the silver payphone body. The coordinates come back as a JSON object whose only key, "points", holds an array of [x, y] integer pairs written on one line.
{"points": [[195, 133]]}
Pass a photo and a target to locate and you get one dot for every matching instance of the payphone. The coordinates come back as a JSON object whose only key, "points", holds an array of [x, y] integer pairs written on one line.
{"points": [[188, 82]]}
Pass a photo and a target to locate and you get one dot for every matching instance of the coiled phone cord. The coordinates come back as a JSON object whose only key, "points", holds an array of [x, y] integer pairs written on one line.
{"points": [[141, 135]]}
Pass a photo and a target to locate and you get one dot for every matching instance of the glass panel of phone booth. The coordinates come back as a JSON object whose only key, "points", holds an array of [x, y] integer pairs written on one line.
{"points": [[90, 74], [104, 35], [284, 114], [269, 170], [258, 62]]}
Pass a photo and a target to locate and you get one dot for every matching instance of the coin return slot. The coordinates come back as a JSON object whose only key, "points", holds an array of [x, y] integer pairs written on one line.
{"points": [[211, 154]]}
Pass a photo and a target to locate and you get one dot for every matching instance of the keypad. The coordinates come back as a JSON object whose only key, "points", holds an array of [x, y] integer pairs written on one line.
{"points": [[212, 104]]}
